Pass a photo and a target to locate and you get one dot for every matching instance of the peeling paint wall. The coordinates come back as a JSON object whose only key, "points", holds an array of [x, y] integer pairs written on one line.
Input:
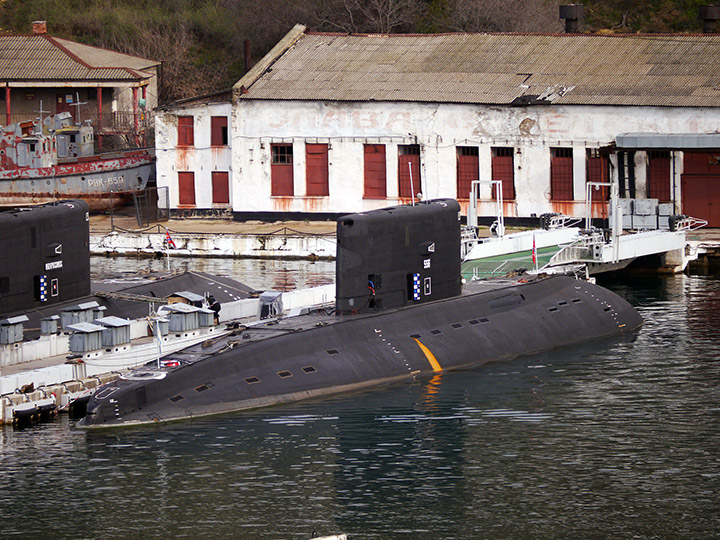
{"points": [[439, 129], [201, 158]]}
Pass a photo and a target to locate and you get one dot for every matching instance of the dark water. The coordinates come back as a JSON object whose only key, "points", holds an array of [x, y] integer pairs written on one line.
{"points": [[611, 440]]}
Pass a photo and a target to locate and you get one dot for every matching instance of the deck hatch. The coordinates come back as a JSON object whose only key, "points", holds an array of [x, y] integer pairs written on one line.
{"points": [[553, 308], [203, 387], [474, 321], [415, 336], [284, 374], [484, 320], [177, 398], [436, 332], [576, 300], [562, 303], [332, 351], [309, 369], [456, 325], [252, 380]]}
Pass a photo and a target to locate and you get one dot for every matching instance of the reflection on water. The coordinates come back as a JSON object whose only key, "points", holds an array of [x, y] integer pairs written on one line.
{"points": [[614, 439], [260, 274]]}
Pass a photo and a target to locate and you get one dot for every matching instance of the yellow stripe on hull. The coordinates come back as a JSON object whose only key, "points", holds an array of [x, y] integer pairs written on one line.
{"points": [[429, 355]]}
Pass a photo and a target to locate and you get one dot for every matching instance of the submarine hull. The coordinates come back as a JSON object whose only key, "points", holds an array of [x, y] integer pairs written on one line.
{"points": [[319, 354]]}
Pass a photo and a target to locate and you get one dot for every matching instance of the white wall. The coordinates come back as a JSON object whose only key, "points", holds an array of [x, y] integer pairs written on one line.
{"points": [[201, 158], [439, 129]]}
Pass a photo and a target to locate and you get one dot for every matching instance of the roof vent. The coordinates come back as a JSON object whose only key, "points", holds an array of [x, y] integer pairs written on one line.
{"points": [[39, 27], [709, 15], [572, 14]]}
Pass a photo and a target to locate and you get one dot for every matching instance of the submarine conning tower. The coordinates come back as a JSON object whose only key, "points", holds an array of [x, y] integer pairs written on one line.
{"points": [[398, 256]]}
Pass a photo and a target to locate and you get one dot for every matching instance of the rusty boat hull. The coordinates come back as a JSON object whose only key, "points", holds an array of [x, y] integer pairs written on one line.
{"points": [[103, 181]]}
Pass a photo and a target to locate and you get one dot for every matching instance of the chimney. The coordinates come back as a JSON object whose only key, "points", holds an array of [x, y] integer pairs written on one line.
{"points": [[246, 47], [39, 27], [572, 14], [709, 15]]}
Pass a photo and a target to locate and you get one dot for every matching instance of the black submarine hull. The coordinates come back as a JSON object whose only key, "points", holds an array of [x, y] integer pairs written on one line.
{"points": [[311, 358], [401, 312]]}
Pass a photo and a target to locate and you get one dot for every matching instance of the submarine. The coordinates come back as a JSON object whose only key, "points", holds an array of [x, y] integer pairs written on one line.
{"points": [[401, 313]]}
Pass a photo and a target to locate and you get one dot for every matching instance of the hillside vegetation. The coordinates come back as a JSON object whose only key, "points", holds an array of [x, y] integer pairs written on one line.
{"points": [[201, 41]]}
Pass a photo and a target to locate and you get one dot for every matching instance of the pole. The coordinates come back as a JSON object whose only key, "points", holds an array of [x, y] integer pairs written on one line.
{"points": [[412, 189]]}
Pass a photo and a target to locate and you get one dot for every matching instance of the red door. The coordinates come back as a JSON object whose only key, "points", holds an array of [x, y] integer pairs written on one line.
{"points": [[700, 186]]}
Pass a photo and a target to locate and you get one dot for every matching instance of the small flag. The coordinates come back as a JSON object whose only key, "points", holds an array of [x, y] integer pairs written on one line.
{"points": [[171, 244], [534, 253]]}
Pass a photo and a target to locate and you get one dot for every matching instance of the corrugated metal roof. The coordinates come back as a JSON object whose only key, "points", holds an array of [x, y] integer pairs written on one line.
{"points": [[678, 141], [650, 70], [45, 58]]}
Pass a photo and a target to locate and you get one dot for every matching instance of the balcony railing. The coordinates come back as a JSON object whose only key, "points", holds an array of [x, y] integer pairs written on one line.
{"points": [[114, 130]]}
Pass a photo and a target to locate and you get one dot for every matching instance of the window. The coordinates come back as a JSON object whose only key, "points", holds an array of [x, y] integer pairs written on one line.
{"points": [[186, 135], [503, 169], [218, 131], [408, 170], [186, 188], [467, 170], [598, 171], [281, 170], [316, 169], [375, 171], [659, 175], [561, 174], [220, 187]]}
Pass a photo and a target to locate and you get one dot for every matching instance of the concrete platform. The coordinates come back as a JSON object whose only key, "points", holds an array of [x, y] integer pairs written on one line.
{"points": [[120, 235]]}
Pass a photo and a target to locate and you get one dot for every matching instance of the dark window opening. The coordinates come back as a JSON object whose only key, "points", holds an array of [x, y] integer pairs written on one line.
{"points": [[252, 380], [435, 332], [177, 398], [552, 308], [484, 320], [309, 369], [203, 387], [282, 154], [474, 321], [4, 284], [332, 351], [284, 374], [456, 325]]}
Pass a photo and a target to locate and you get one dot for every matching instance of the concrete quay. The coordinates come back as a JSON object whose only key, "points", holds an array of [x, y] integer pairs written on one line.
{"points": [[121, 236]]}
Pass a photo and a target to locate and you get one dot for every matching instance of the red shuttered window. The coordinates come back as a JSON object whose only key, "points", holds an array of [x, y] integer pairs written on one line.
{"points": [[503, 169], [186, 134], [408, 170], [218, 131], [468, 169], [186, 188], [598, 171], [316, 169], [659, 175], [561, 174], [281, 170], [220, 187], [375, 172]]}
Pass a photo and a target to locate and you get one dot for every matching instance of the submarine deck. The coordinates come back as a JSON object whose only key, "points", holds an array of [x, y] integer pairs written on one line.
{"points": [[252, 331]]}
